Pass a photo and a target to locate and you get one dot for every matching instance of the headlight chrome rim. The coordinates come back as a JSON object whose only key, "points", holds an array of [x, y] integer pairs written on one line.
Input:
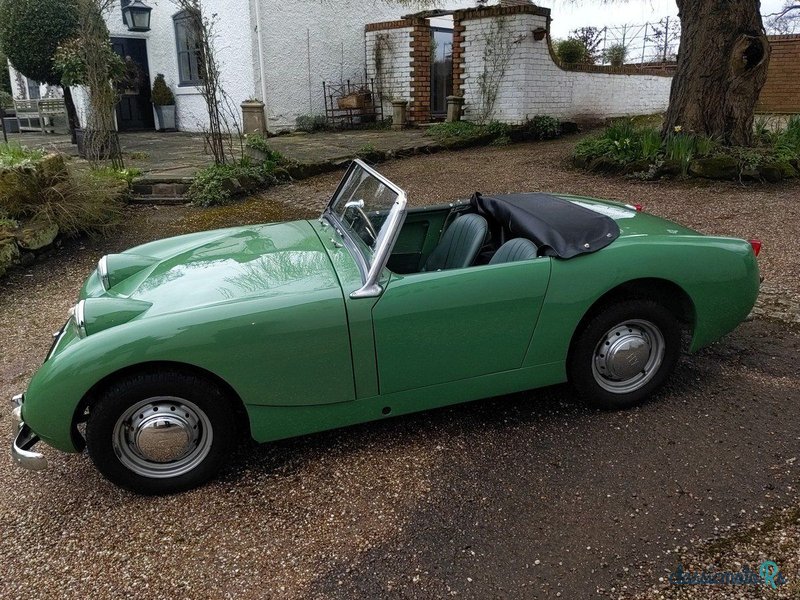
{"points": [[102, 271], [77, 315]]}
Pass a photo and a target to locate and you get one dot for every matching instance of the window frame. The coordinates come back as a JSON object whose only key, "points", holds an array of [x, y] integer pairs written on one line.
{"points": [[179, 21]]}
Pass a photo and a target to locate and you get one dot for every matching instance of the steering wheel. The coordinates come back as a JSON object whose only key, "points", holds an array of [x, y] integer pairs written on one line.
{"points": [[358, 206]]}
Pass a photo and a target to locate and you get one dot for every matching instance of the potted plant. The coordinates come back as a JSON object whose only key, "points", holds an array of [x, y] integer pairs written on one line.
{"points": [[164, 104]]}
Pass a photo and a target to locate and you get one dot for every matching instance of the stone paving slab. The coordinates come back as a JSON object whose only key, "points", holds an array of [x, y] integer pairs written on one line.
{"points": [[334, 146], [179, 155]]}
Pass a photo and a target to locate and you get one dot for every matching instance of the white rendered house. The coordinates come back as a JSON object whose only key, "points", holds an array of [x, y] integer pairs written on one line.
{"points": [[275, 51]]}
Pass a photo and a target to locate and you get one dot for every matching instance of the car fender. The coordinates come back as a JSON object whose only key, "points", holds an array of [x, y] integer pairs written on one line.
{"points": [[280, 351], [719, 275]]}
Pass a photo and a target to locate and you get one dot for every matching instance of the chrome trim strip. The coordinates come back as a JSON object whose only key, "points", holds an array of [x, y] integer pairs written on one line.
{"points": [[383, 249]]}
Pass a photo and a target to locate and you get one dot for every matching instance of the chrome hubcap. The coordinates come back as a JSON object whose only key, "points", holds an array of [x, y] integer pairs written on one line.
{"points": [[628, 356], [163, 436]]}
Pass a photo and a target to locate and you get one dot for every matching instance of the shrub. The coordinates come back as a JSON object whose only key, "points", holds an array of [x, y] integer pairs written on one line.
{"points": [[542, 127], [30, 32], [498, 129], [5, 76], [466, 133], [787, 142], [616, 55], [256, 141], [42, 187], [311, 123], [572, 51], [459, 133], [220, 184], [626, 145], [6, 100], [83, 202], [161, 94]]}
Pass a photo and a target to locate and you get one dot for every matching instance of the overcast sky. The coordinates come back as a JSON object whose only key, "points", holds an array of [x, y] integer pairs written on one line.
{"points": [[568, 15]]}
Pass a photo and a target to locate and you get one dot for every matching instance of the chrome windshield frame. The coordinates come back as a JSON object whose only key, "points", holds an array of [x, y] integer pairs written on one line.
{"points": [[370, 272]]}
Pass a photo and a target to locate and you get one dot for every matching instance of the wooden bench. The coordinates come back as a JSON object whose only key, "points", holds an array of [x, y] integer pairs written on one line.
{"points": [[27, 114], [51, 109], [41, 115]]}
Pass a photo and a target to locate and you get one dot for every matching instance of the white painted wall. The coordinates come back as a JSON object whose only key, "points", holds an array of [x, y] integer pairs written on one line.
{"points": [[394, 80], [534, 85], [330, 36], [19, 87], [234, 52], [308, 42]]}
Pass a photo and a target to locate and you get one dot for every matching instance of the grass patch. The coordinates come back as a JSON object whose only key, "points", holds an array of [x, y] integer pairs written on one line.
{"points": [[13, 154]]}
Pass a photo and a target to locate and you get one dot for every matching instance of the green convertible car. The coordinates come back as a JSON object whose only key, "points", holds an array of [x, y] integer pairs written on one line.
{"points": [[180, 348]]}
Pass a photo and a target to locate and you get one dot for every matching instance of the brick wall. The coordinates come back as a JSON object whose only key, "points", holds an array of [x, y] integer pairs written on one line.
{"points": [[781, 93], [419, 110]]}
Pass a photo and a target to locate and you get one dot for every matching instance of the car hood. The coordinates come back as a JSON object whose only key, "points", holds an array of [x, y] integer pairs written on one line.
{"points": [[222, 266]]}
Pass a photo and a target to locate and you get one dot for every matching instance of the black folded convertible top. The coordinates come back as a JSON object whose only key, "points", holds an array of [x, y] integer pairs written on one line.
{"points": [[559, 227]]}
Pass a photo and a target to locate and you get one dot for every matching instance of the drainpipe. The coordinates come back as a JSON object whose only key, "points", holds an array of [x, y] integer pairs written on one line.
{"points": [[260, 43]]}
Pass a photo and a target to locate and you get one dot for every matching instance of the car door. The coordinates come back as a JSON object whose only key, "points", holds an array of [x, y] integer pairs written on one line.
{"points": [[444, 326]]}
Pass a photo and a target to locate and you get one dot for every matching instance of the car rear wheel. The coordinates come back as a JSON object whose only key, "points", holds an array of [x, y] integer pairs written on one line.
{"points": [[160, 433], [624, 353]]}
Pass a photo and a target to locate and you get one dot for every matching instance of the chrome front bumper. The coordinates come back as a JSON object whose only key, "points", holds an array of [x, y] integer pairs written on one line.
{"points": [[24, 440]]}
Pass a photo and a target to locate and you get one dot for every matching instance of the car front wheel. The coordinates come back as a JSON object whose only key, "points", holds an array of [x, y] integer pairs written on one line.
{"points": [[624, 353], [160, 433]]}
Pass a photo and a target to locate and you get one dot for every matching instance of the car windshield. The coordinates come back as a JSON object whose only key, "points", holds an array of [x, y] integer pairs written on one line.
{"points": [[362, 204]]}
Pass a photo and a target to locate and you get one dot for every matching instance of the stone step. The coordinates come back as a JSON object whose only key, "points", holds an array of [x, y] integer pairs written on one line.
{"points": [[160, 190]]}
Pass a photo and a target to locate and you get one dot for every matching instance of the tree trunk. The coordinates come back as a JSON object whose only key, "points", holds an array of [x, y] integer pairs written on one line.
{"points": [[72, 114], [722, 66]]}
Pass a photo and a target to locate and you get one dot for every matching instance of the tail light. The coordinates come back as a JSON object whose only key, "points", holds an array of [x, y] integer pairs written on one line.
{"points": [[638, 207], [756, 244]]}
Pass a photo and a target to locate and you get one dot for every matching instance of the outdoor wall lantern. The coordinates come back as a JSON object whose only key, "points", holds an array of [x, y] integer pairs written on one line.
{"points": [[137, 16], [539, 33]]}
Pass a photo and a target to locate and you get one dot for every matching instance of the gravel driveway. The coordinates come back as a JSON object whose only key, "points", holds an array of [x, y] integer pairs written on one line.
{"points": [[529, 495]]}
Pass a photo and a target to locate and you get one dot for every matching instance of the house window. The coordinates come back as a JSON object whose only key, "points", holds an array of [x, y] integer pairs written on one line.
{"points": [[34, 93], [188, 47]]}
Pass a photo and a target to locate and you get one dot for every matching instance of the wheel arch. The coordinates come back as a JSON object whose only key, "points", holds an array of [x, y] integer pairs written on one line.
{"points": [[666, 292], [242, 420]]}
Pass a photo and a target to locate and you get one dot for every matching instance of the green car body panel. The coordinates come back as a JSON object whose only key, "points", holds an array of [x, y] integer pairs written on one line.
{"points": [[267, 310]]}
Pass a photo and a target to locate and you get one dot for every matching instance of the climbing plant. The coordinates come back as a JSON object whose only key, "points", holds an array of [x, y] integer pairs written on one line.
{"points": [[498, 46], [382, 53]]}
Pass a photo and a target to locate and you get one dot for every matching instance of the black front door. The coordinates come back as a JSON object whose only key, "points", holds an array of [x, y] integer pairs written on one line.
{"points": [[441, 70], [134, 111]]}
